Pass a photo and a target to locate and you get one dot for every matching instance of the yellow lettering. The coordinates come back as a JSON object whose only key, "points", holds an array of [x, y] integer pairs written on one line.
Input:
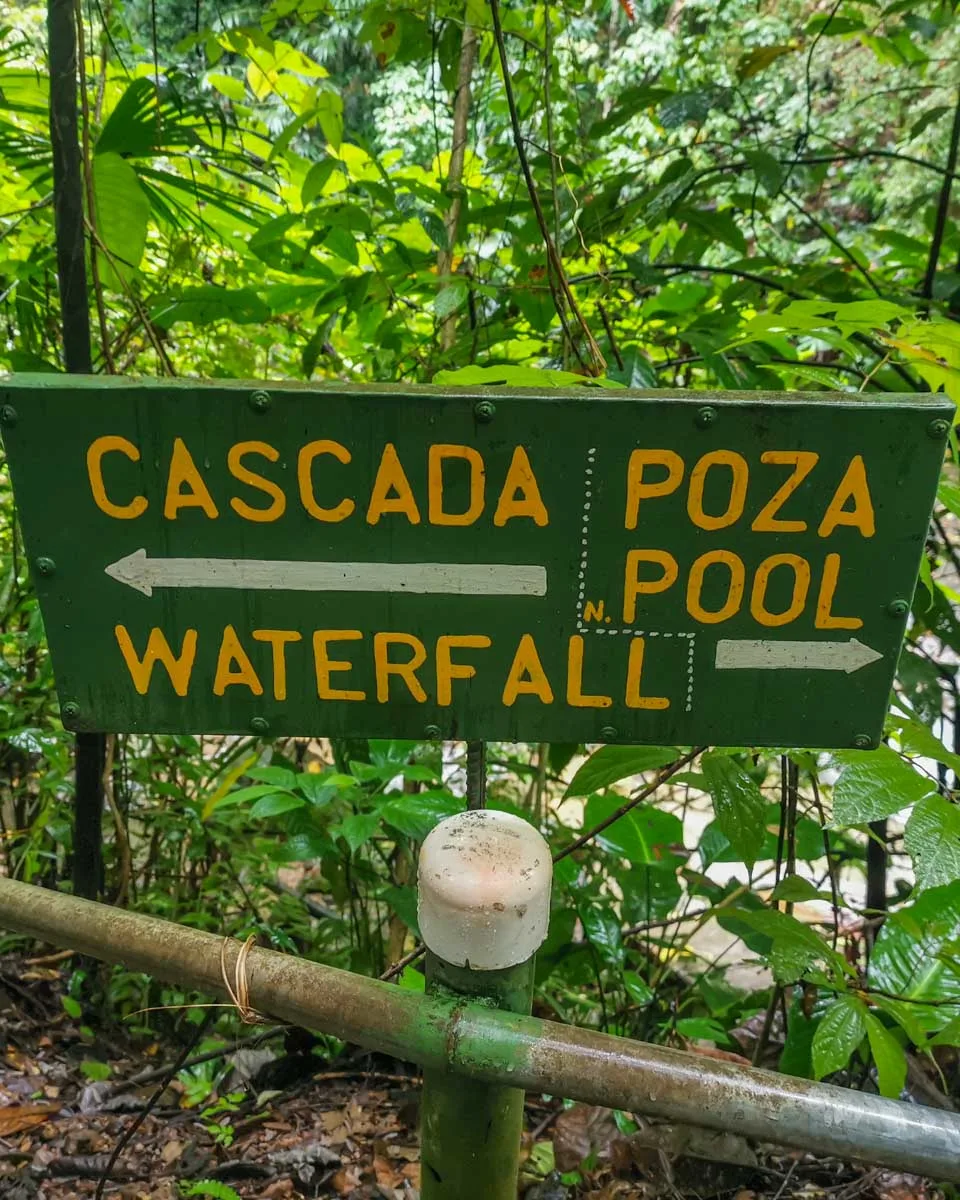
{"points": [[853, 486], [95, 452], [739, 477], [735, 588], [633, 586], [803, 462], [828, 589], [435, 460], [308, 499], [183, 472], [526, 676], [575, 696], [593, 612], [637, 490], [448, 670], [634, 672], [384, 668], [178, 667], [278, 640], [233, 666], [391, 478], [278, 503], [325, 666], [801, 586], [520, 495]]}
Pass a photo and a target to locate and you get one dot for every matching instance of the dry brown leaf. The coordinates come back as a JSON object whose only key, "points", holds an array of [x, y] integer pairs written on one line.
{"points": [[714, 1052], [24, 1116], [581, 1131], [384, 1172], [346, 1179]]}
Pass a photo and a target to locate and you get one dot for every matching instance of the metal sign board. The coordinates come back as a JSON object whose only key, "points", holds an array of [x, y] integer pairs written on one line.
{"points": [[667, 568]]}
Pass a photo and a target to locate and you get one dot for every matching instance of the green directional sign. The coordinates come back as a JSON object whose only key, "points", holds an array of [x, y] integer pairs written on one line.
{"points": [[655, 567]]}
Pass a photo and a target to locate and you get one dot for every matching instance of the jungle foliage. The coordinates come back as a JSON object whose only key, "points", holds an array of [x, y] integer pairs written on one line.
{"points": [[695, 193]]}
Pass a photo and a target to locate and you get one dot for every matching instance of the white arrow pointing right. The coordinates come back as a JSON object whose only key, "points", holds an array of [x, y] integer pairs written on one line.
{"points": [[747, 654]]}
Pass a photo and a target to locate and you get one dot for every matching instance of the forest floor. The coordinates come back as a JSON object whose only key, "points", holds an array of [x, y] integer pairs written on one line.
{"points": [[283, 1124]]}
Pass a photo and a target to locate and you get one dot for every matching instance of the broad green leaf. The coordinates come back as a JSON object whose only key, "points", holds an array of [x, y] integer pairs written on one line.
{"points": [[272, 806], [794, 889], [122, 215], [281, 777], [228, 85], [889, 1056], [242, 795], [949, 1035], [838, 1035], [610, 764], [518, 377], [907, 957], [412, 980], [761, 57], [638, 989], [415, 814], [738, 803], [932, 839], [207, 305], [450, 298], [796, 948], [602, 929], [644, 835], [357, 829], [874, 784]]}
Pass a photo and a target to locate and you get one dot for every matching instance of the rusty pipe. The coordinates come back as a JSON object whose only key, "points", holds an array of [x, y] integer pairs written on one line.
{"points": [[496, 1046]]}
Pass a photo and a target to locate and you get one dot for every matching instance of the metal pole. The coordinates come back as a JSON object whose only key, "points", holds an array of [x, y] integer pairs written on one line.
{"points": [[484, 887], [488, 1045], [77, 355], [476, 774]]}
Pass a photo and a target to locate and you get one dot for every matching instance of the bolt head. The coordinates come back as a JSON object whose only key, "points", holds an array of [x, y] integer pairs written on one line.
{"points": [[609, 733], [8, 415], [433, 732], [863, 741], [259, 725], [70, 710], [45, 566], [484, 410], [259, 400], [938, 429], [705, 416], [898, 608]]}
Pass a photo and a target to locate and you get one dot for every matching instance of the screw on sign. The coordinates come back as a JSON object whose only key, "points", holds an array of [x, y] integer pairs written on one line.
{"points": [[646, 568]]}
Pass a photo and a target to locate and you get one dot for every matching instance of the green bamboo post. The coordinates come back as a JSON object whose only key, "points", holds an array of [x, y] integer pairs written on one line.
{"points": [[484, 887]]}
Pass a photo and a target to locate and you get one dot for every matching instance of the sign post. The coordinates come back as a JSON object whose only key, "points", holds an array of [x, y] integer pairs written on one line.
{"points": [[633, 567]]}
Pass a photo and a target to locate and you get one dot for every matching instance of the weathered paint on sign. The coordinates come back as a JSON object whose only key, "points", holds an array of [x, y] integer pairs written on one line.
{"points": [[636, 567]]}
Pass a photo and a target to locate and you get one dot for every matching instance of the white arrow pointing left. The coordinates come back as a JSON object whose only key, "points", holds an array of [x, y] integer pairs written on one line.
{"points": [[278, 575], [760, 654]]}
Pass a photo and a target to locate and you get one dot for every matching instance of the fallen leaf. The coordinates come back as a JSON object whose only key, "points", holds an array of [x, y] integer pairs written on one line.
{"points": [[581, 1131], [24, 1116]]}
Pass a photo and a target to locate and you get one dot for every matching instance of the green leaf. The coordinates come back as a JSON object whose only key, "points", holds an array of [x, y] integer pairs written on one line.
{"points": [[272, 806], [875, 784], [122, 215], [610, 764], [450, 298], [97, 1071], [207, 305], [71, 1007], [644, 835], [907, 958], [242, 795], [639, 991], [228, 85], [889, 1056], [518, 377], [412, 980], [602, 929], [838, 1035], [761, 57], [794, 889], [738, 803], [357, 829], [281, 777], [932, 839], [415, 814], [795, 947]]}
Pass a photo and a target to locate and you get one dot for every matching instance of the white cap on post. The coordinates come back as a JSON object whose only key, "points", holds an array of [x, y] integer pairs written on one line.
{"points": [[484, 888]]}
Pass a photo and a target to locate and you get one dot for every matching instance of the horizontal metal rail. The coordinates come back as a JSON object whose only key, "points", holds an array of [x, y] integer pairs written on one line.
{"points": [[498, 1046]]}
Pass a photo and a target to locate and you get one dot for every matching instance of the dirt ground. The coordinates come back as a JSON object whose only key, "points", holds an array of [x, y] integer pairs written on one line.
{"points": [[285, 1124]]}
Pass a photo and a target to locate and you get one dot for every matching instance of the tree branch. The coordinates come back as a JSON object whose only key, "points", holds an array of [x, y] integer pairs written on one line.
{"points": [[943, 207]]}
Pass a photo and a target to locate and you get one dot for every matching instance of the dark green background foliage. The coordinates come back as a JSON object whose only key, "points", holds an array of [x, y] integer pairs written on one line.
{"points": [[733, 195]]}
